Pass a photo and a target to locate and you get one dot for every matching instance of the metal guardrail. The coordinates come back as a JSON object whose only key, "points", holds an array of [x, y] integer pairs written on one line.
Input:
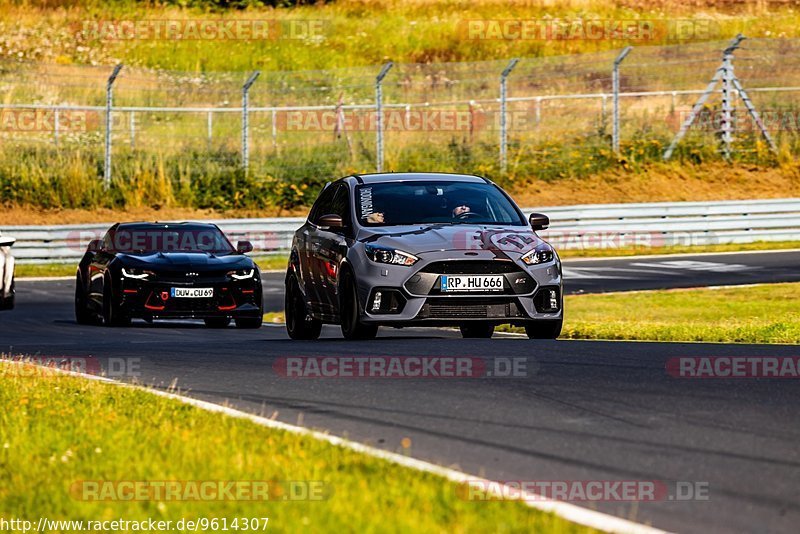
{"points": [[584, 226]]}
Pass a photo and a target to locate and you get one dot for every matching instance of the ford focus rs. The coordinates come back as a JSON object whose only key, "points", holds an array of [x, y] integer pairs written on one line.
{"points": [[421, 249], [167, 271]]}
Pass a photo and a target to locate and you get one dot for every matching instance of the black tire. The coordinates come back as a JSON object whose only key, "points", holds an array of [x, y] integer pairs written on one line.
{"points": [[82, 313], [350, 311], [249, 322], [546, 329], [8, 302], [298, 324], [477, 330], [217, 322], [112, 315]]}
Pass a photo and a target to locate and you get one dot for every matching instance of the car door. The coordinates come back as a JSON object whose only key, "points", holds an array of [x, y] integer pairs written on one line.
{"points": [[97, 268], [308, 251], [328, 247]]}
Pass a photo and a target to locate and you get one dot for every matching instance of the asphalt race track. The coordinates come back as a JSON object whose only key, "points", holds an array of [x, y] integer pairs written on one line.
{"points": [[580, 411]]}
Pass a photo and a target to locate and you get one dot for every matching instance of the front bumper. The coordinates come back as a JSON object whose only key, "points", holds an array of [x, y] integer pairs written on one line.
{"points": [[412, 295], [153, 300]]}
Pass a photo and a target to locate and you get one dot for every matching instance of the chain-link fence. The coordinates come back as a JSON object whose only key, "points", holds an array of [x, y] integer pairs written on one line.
{"points": [[437, 116]]}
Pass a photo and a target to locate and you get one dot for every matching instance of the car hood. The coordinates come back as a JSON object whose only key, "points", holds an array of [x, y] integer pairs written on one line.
{"points": [[201, 261], [510, 240]]}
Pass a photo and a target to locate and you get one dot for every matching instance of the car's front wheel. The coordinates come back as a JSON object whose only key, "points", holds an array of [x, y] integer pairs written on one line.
{"points": [[82, 313], [477, 330], [298, 323], [112, 314], [545, 329], [350, 312]]}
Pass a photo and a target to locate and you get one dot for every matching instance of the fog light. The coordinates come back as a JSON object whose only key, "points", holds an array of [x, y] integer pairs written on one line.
{"points": [[553, 300], [376, 301]]}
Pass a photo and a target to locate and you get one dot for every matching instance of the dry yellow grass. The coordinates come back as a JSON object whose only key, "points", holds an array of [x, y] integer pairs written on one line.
{"points": [[711, 181]]}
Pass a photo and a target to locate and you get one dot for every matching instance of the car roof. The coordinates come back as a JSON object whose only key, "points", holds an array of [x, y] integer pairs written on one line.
{"points": [[164, 225], [415, 177]]}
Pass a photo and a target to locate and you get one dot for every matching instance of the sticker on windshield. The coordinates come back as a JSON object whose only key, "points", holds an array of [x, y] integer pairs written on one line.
{"points": [[365, 197]]}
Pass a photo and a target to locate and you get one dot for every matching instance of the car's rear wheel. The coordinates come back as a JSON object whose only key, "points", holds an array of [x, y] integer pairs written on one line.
{"points": [[112, 314], [217, 322], [298, 323], [249, 322], [477, 330], [350, 312], [82, 313], [545, 329]]}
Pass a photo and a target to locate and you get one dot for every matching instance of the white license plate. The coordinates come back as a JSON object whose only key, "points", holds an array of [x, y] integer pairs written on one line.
{"points": [[471, 283], [192, 292]]}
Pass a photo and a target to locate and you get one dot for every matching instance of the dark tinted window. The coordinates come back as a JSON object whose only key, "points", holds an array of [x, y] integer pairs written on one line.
{"points": [[147, 239], [416, 202], [341, 203], [323, 204]]}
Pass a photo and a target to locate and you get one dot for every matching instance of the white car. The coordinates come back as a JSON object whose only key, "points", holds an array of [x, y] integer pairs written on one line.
{"points": [[6, 273]]}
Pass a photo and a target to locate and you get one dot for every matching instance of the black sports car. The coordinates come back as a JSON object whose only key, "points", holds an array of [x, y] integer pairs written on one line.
{"points": [[168, 270], [412, 249]]}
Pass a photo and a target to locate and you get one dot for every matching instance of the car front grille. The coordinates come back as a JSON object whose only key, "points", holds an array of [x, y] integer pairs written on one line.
{"points": [[467, 308], [472, 267]]}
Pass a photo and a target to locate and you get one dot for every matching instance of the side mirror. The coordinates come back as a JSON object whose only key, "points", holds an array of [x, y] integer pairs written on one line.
{"points": [[95, 245], [539, 221], [331, 221], [243, 247]]}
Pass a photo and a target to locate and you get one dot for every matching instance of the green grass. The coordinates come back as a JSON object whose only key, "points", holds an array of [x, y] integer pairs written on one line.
{"points": [[355, 33], [64, 429], [761, 314]]}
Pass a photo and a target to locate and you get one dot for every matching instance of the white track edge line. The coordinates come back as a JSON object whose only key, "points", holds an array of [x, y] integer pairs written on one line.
{"points": [[679, 255], [570, 512]]}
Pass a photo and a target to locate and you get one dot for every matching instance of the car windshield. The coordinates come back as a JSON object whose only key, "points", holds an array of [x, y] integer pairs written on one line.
{"points": [[167, 238], [434, 202]]}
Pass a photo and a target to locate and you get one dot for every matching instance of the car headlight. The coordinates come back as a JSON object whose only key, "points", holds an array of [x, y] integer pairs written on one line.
{"points": [[390, 255], [544, 253], [136, 274], [242, 274]]}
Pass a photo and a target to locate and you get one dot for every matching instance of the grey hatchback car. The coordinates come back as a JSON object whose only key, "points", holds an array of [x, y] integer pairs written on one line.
{"points": [[421, 249]]}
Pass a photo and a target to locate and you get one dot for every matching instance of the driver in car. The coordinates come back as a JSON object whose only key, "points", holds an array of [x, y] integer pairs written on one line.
{"points": [[461, 211]]}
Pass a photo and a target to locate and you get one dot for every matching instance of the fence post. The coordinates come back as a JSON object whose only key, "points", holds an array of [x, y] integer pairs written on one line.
{"points": [[55, 126], [133, 129], [379, 111], [274, 129], [245, 137], [726, 128], [615, 88], [503, 129], [109, 104], [209, 127]]}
